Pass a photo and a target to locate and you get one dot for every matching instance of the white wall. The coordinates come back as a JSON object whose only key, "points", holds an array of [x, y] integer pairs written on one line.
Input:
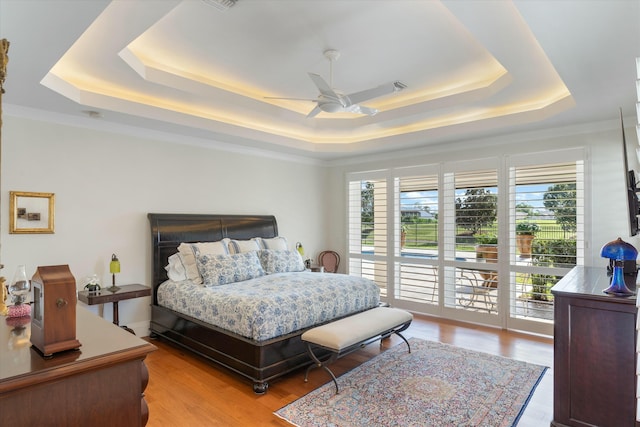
{"points": [[106, 183], [606, 203]]}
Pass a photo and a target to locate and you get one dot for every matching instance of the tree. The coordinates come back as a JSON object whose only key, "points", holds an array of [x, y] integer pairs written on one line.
{"points": [[560, 199], [476, 209], [422, 207], [367, 203], [525, 208]]}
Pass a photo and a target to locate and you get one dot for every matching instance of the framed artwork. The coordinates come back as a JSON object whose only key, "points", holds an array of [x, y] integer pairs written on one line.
{"points": [[31, 213]]}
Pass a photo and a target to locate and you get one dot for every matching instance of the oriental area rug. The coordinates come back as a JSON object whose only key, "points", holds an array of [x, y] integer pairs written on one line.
{"points": [[434, 385]]}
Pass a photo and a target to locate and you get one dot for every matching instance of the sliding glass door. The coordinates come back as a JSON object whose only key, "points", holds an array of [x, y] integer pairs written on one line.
{"points": [[471, 241], [546, 234], [368, 224], [416, 257], [476, 241]]}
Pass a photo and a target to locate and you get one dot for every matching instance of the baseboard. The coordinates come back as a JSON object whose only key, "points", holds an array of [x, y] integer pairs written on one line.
{"points": [[140, 328]]}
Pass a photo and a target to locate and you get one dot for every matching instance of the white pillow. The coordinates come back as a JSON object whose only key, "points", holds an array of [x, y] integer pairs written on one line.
{"points": [[189, 251], [223, 269], [242, 246], [175, 269], [276, 244], [280, 261]]}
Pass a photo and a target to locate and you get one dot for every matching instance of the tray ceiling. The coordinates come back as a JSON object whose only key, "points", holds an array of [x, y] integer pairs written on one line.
{"points": [[472, 68]]}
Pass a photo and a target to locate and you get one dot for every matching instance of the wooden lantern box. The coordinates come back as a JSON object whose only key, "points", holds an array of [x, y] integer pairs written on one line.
{"points": [[53, 314]]}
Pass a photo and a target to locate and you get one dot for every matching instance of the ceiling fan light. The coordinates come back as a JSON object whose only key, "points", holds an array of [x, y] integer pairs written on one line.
{"points": [[330, 107]]}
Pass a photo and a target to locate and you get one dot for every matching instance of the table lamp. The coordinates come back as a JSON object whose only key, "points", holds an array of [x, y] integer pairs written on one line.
{"points": [[300, 249], [618, 251], [114, 267]]}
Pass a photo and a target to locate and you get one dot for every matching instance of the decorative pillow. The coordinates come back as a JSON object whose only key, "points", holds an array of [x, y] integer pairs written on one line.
{"points": [[189, 251], [280, 261], [223, 269], [175, 269], [241, 246], [276, 244]]}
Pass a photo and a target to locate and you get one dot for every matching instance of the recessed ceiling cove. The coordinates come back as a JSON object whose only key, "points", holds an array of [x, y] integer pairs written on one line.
{"points": [[245, 70]]}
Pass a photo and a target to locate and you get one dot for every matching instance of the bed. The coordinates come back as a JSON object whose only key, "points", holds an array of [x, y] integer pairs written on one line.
{"points": [[260, 350]]}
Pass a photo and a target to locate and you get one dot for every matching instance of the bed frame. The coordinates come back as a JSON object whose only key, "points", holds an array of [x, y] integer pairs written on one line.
{"points": [[260, 362]]}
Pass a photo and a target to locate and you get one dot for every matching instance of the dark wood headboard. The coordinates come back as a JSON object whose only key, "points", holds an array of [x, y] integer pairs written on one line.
{"points": [[169, 230]]}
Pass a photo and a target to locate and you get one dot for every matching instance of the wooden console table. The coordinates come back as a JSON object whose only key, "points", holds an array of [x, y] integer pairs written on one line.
{"points": [[594, 352], [100, 384], [104, 296]]}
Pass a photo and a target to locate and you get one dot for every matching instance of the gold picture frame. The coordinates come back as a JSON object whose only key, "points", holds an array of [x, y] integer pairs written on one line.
{"points": [[31, 213]]}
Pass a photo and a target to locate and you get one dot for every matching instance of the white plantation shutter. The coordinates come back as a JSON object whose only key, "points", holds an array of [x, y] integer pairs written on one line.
{"points": [[416, 232], [416, 267], [368, 225], [468, 209], [551, 196], [561, 188], [471, 204]]}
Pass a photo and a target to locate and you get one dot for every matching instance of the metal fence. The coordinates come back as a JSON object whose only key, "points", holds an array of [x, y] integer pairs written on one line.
{"points": [[426, 234]]}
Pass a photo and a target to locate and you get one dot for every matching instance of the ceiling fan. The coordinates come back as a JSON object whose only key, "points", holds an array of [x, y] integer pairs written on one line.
{"points": [[333, 101]]}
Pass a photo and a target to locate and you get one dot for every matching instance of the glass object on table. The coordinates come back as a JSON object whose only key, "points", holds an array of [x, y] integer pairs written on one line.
{"points": [[20, 286], [19, 291]]}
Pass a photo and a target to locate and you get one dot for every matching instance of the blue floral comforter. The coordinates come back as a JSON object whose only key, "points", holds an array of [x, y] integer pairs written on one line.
{"points": [[272, 305]]}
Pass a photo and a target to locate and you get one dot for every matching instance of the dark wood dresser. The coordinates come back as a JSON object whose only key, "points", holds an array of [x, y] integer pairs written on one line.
{"points": [[594, 351], [100, 384]]}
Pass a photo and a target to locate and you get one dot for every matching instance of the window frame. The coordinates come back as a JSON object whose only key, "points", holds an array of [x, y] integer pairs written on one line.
{"points": [[502, 164]]}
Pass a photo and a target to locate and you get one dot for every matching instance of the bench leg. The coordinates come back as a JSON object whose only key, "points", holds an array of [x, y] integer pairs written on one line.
{"points": [[403, 339], [320, 364], [317, 363]]}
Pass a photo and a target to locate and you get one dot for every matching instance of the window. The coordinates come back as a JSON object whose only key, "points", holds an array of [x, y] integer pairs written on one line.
{"points": [[368, 240], [478, 241], [416, 263], [471, 228], [547, 222]]}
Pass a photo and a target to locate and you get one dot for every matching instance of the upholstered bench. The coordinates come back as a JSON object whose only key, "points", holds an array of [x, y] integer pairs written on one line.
{"points": [[350, 333]]}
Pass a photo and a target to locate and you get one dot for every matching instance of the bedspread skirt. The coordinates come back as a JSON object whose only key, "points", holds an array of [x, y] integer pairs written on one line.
{"points": [[272, 305]]}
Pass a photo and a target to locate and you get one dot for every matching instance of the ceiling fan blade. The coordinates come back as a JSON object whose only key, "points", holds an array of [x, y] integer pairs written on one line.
{"points": [[323, 87], [375, 92], [314, 112]]}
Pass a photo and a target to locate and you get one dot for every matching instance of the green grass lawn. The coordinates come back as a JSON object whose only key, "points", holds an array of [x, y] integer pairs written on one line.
{"points": [[425, 235]]}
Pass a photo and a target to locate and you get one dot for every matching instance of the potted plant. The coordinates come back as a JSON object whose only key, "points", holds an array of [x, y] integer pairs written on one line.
{"points": [[525, 233], [487, 250], [486, 239], [487, 247]]}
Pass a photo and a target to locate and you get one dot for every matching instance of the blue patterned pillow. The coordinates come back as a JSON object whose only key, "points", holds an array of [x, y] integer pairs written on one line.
{"points": [[223, 269], [280, 261]]}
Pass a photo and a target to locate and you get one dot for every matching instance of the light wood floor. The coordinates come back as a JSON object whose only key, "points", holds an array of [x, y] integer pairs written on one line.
{"points": [[185, 390]]}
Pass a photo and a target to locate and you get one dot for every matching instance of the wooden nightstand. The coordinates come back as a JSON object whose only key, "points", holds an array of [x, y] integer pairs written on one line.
{"points": [[104, 296]]}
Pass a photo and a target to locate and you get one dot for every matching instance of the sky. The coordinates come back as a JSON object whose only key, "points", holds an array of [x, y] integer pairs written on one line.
{"points": [[529, 194]]}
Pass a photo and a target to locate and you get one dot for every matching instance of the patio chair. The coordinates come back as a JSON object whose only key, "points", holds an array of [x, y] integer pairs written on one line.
{"points": [[472, 287]]}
